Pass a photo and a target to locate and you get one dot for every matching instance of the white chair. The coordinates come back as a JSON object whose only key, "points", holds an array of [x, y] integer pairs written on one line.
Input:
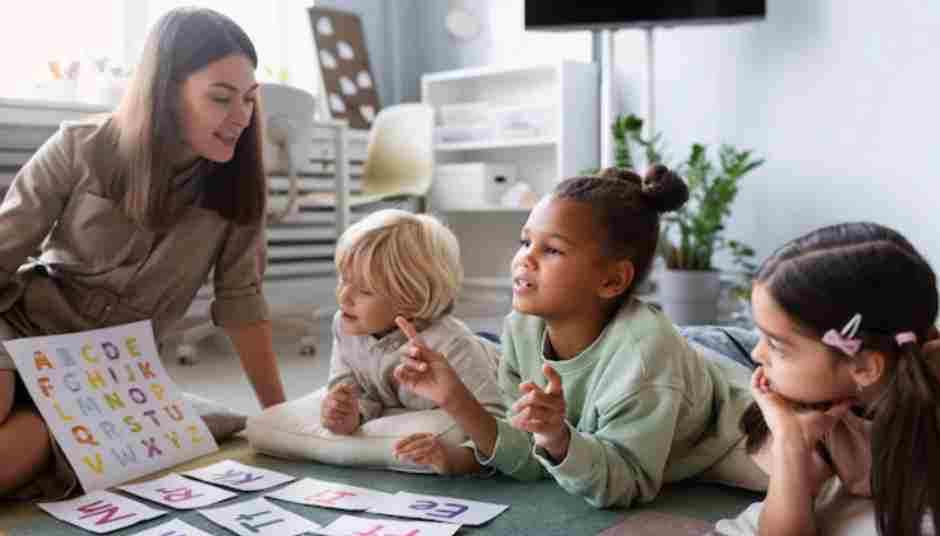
{"points": [[399, 159]]}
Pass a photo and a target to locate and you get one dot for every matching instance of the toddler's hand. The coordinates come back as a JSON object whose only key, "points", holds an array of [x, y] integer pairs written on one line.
{"points": [[543, 414], [339, 411], [425, 372], [424, 449]]}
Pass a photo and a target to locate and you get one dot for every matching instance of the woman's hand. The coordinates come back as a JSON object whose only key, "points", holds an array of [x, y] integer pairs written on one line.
{"points": [[543, 413], [424, 449], [425, 372], [339, 411]]}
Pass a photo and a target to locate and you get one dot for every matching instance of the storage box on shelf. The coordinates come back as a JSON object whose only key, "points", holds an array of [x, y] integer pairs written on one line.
{"points": [[541, 121]]}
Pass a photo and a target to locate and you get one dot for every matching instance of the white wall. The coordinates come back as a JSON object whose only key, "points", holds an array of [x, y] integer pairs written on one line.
{"points": [[837, 94]]}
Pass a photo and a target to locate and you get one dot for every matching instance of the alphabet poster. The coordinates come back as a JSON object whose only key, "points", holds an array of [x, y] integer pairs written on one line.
{"points": [[109, 403], [101, 511]]}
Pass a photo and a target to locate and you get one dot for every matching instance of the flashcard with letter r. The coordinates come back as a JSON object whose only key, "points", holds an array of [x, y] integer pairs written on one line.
{"points": [[178, 492]]}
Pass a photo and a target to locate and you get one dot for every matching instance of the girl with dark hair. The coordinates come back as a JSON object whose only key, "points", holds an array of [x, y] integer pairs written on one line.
{"points": [[614, 402], [846, 397], [130, 213]]}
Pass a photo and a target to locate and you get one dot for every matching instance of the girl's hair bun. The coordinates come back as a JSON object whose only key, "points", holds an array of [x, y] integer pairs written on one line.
{"points": [[663, 190]]}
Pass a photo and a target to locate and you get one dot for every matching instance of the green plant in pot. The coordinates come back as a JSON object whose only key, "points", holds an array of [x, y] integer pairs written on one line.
{"points": [[689, 288]]}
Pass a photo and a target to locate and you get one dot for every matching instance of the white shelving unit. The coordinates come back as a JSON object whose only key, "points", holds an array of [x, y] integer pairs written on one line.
{"points": [[564, 144]]}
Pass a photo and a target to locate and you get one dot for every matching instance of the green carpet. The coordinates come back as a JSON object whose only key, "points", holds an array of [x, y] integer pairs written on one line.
{"points": [[534, 508]]}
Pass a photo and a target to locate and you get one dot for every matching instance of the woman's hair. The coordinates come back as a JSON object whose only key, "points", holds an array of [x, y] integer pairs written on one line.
{"points": [[148, 123], [628, 208], [411, 259], [823, 279]]}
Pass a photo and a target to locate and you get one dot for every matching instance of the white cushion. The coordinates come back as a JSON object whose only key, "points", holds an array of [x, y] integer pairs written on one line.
{"points": [[292, 430]]}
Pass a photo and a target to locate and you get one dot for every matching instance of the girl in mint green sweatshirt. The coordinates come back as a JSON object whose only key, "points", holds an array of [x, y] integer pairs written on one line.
{"points": [[605, 396]]}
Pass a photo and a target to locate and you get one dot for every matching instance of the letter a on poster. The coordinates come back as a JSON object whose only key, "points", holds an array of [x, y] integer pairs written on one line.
{"points": [[109, 403]]}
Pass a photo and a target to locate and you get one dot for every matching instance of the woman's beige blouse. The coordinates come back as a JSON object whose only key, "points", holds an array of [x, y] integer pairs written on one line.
{"points": [[96, 268]]}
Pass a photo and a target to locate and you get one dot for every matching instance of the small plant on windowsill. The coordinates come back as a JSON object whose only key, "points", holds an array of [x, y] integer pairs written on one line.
{"points": [[693, 234]]}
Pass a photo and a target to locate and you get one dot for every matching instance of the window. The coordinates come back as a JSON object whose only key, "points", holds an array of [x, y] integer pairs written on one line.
{"points": [[46, 36], [50, 35]]}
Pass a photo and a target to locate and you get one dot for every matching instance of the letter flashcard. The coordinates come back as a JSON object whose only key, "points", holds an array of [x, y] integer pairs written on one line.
{"points": [[173, 528], [100, 511], [330, 495], [446, 509], [259, 517], [239, 476], [360, 526], [179, 493]]}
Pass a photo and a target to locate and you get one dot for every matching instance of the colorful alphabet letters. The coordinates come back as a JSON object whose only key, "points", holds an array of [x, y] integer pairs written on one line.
{"points": [[101, 511], [259, 517], [239, 476], [446, 509], [178, 492], [329, 495], [360, 526], [173, 528], [109, 403]]}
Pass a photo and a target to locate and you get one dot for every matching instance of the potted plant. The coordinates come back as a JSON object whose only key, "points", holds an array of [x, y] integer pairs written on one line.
{"points": [[689, 287]]}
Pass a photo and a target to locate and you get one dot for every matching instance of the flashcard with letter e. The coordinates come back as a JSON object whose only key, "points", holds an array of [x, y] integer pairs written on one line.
{"points": [[178, 492], [173, 528], [239, 476], [446, 509], [360, 526], [110, 404], [101, 511], [329, 495], [260, 517]]}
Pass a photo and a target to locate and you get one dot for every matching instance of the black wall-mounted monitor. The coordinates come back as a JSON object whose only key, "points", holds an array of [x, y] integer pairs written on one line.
{"points": [[580, 15]]}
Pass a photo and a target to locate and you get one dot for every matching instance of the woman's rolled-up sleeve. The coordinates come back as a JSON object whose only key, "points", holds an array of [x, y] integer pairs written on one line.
{"points": [[238, 274], [34, 202]]}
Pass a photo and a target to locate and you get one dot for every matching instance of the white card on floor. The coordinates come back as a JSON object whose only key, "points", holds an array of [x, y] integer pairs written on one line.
{"points": [[360, 526], [260, 517], [178, 492], [101, 511], [447, 509], [173, 528], [232, 474], [330, 495]]}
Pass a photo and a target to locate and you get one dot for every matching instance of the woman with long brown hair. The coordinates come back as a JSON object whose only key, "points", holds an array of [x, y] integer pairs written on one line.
{"points": [[130, 213]]}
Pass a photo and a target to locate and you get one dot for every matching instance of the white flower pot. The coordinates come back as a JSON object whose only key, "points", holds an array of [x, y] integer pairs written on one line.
{"points": [[689, 297]]}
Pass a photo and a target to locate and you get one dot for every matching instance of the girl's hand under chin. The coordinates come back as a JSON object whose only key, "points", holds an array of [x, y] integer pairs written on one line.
{"points": [[789, 426]]}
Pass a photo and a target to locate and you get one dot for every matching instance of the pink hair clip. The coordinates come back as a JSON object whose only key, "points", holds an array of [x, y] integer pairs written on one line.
{"points": [[905, 337], [845, 339]]}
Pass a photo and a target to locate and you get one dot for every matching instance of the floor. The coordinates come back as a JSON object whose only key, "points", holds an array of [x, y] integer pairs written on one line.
{"points": [[217, 373]]}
